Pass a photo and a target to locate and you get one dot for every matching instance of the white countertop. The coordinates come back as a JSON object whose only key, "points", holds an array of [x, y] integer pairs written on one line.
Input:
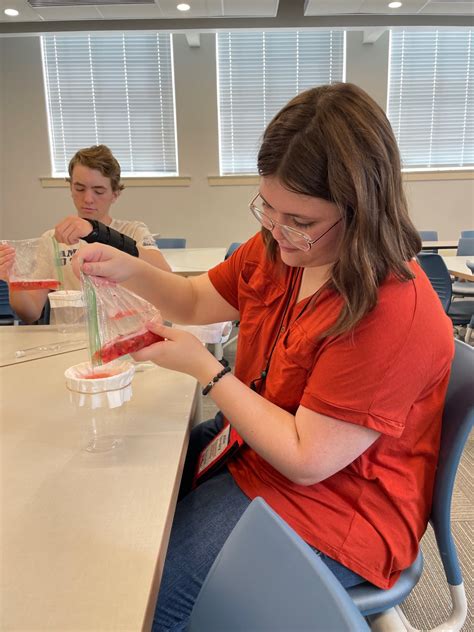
{"points": [[84, 536]]}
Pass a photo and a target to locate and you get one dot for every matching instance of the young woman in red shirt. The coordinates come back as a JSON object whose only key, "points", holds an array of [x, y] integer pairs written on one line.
{"points": [[342, 363]]}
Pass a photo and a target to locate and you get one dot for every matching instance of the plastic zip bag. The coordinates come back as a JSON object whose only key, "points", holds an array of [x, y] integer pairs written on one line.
{"points": [[37, 264], [116, 320]]}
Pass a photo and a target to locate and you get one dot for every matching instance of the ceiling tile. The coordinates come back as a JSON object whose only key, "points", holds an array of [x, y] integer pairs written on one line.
{"points": [[69, 13], [329, 7], [27, 14], [131, 12], [449, 8]]}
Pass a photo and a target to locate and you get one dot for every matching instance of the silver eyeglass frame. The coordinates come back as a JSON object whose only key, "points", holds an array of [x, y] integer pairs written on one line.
{"points": [[256, 212]]}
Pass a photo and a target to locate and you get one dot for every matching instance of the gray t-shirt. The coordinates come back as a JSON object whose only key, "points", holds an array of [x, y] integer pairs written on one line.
{"points": [[136, 230]]}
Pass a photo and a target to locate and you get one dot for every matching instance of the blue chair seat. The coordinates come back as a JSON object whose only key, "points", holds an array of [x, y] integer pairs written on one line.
{"points": [[370, 599], [463, 288]]}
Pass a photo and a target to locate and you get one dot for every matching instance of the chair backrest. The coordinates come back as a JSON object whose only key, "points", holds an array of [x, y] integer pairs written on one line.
{"points": [[428, 235], [458, 418], [437, 272], [7, 315], [170, 242], [232, 248], [467, 233], [267, 578], [465, 247]]}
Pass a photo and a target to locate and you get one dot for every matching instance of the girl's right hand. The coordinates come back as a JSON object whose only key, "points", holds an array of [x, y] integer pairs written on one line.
{"points": [[7, 258], [104, 261]]}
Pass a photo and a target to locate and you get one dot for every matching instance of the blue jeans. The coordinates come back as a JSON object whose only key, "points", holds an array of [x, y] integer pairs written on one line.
{"points": [[203, 520]]}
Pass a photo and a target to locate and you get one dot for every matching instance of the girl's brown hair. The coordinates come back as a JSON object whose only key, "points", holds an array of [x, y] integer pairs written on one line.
{"points": [[101, 158], [334, 142]]}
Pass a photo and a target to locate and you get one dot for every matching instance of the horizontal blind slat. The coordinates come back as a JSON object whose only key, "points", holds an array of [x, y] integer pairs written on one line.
{"points": [[112, 89], [431, 96], [258, 73]]}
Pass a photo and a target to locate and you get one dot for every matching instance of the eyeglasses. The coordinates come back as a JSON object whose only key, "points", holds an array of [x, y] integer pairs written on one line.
{"points": [[296, 238]]}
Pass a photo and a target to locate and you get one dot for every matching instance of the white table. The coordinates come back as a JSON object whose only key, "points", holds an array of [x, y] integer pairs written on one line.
{"points": [[457, 267], [193, 261], [36, 342], [442, 244], [84, 536]]}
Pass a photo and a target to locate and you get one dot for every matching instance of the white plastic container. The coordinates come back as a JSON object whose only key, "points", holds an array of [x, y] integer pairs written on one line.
{"points": [[100, 402], [209, 334], [67, 310]]}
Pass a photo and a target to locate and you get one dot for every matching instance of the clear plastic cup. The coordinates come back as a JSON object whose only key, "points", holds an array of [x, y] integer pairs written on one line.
{"points": [[99, 396], [67, 310], [35, 266]]}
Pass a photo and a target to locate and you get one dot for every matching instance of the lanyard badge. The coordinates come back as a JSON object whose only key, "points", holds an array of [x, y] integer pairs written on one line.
{"points": [[216, 454]]}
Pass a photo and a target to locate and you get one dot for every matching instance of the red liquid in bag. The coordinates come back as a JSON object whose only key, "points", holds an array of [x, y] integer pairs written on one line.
{"points": [[126, 344], [95, 376], [43, 284]]}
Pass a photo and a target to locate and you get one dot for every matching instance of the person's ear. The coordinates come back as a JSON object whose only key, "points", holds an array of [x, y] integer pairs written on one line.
{"points": [[116, 195]]}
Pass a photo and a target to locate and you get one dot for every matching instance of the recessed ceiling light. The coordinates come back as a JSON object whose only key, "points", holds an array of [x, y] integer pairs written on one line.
{"points": [[11, 12], [394, 5], [183, 7]]}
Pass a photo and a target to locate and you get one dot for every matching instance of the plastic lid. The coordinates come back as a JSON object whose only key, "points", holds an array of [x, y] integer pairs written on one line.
{"points": [[111, 388]]}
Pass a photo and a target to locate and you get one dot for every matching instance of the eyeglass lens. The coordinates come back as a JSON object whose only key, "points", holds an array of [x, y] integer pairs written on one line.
{"points": [[294, 237]]}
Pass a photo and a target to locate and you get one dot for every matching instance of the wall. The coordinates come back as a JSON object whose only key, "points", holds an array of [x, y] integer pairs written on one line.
{"points": [[206, 215]]}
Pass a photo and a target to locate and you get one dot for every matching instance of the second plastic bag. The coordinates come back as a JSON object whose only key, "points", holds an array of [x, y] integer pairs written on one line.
{"points": [[116, 319], [36, 265]]}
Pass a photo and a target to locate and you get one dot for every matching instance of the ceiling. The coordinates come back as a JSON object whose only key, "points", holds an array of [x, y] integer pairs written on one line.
{"points": [[214, 14]]}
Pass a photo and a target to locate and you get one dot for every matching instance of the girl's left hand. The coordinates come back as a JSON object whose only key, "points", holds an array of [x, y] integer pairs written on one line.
{"points": [[180, 351]]}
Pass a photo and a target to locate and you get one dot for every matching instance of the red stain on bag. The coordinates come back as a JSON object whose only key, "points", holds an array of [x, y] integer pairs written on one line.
{"points": [[124, 314], [44, 284], [126, 344]]}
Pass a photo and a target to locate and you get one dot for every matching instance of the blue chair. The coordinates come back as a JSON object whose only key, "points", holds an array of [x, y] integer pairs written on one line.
{"points": [[467, 233], [7, 315], [428, 235], [458, 418], [267, 578], [460, 311], [232, 248], [465, 247], [170, 242]]}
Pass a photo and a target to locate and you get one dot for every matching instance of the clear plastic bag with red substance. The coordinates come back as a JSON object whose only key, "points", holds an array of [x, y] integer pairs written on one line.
{"points": [[116, 319], [36, 265]]}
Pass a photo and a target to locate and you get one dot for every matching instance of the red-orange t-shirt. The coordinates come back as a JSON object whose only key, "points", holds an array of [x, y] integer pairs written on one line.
{"points": [[390, 374]]}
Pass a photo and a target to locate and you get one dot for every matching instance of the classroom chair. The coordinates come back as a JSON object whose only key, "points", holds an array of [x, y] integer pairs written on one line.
{"points": [[232, 248], [170, 242], [429, 235], [467, 233], [382, 606], [465, 247], [460, 311], [267, 578], [7, 315]]}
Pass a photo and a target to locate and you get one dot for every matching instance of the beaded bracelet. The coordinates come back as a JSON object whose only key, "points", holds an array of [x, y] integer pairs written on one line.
{"points": [[215, 379]]}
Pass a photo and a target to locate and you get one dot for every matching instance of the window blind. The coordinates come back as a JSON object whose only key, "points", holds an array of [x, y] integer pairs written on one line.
{"points": [[116, 89], [258, 73], [431, 97]]}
